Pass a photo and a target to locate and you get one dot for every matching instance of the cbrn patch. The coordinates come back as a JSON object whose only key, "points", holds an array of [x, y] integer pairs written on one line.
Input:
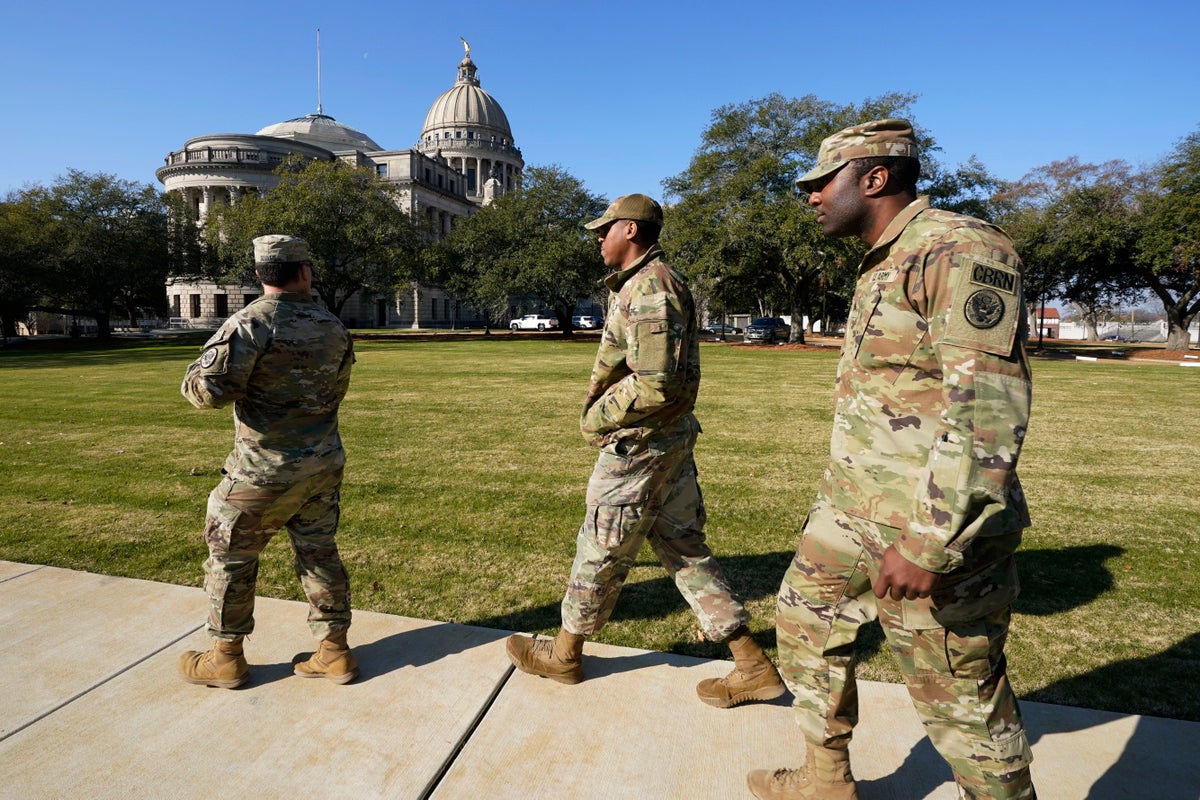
{"points": [[986, 308]]}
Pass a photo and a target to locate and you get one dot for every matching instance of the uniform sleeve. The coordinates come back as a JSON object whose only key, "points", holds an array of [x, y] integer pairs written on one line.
{"points": [[655, 331], [219, 376], [973, 300], [343, 380]]}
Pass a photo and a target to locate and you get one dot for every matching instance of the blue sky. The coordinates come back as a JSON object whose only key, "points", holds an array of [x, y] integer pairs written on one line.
{"points": [[617, 93]]}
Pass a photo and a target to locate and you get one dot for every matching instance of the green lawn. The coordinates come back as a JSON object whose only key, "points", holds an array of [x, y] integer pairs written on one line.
{"points": [[466, 474]]}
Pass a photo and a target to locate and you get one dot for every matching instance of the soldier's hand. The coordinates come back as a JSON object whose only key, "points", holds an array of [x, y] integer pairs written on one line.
{"points": [[900, 578]]}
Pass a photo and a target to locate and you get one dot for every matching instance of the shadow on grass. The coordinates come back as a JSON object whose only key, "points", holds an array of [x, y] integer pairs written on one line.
{"points": [[58, 353]]}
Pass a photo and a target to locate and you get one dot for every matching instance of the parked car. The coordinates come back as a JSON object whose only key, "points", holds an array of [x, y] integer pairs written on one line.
{"points": [[717, 328], [767, 330], [533, 322], [585, 322]]}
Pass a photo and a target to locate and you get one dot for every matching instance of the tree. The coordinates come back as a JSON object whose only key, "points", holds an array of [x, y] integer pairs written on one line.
{"points": [[1167, 251], [1075, 225], [529, 242], [25, 237], [109, 250], [360, 239], [738, 227]]}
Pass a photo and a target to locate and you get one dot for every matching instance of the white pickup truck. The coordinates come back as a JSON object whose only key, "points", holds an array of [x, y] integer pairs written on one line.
{"points": [[533, 322]]}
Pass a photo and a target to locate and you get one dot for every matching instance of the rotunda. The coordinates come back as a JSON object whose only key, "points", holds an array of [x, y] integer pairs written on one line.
{"points": [[468, 128]]}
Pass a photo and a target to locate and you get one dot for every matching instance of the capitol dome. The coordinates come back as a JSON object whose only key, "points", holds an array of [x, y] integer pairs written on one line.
{"points": [[466, 106], [467, 129], [323, 131]]}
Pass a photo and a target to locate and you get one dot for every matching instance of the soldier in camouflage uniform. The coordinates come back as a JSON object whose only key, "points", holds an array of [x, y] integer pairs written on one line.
{"points": [[284, 363], [638, 413], [920, 510]]}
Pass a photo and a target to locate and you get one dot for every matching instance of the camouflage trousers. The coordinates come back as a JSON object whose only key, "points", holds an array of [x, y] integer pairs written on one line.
{"points": [[647, 491], [242, 518], [950, 647]]}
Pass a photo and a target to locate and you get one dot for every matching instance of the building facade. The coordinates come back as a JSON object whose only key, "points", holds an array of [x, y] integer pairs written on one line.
{"points": [[464, 159]]}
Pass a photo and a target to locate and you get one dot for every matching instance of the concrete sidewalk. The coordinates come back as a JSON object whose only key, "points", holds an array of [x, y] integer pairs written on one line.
{"points": [[99, 712]]}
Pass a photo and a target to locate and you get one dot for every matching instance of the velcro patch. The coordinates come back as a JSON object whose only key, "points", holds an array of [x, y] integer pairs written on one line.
{"points": [[1000, 277], [986, 310], [215, 358]]}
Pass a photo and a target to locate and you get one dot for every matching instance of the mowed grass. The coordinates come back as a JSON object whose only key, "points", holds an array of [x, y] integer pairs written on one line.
{"points": [[465, 484]]}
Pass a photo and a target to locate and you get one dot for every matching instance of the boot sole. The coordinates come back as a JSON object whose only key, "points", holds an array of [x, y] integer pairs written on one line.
{"points": [[340, 680], [232, 683], [765, 693]]}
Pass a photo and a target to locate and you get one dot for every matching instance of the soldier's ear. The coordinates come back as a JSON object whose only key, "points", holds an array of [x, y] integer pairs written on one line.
{"points": [[875, 181]]}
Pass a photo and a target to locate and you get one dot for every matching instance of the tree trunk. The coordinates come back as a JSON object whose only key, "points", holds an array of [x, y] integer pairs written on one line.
{"points": [[103, 328], [797, 333], [1178, 337]]}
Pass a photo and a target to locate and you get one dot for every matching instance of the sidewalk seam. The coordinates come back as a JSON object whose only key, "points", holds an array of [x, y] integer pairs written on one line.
{"points": [[450, 759], [96, 685]]}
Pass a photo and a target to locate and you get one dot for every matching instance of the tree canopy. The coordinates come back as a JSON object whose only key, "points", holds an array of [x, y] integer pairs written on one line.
{"points": [[90, 245], [1167, 253], [747, 238], [360, 239], [528, 243]]}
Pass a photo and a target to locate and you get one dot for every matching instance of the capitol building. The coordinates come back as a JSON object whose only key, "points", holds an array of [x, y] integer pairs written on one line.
{"points": [[465, 157]]}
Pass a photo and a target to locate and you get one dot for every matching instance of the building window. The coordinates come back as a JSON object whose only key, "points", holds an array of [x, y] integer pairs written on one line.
{"points": [[221, 305], [471, 179], [381, 170], [428, 177], [458, 134], [439, 181], [470, 134], [433, 308], [195, 301], [446, 308], [175, 312], [247, 299]]}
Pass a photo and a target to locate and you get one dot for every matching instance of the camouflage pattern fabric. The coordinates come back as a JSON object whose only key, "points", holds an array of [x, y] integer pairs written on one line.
{"points": [[950, 647], [242, 518], [931, 407], [284, 364], [638, 492], [647, 371], [638, 411], [933, 388]]}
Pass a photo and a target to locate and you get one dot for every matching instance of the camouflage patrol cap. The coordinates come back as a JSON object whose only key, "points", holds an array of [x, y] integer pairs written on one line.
{"points": [[279, 249], [881, 137], [637, 207]]}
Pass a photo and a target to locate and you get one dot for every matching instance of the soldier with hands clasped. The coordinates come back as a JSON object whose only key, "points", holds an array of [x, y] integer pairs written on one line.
{"points": [[920, 510]]}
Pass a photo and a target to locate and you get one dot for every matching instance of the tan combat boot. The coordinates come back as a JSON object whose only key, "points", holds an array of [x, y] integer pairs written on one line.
{"points": [[223, 665], [825, 776], [332, 661], [754, 677], [559, 659]]}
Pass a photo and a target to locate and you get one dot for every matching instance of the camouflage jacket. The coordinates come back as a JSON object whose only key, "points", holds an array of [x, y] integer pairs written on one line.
{"points": [[284, 363], [647, 371], [933, 387]]}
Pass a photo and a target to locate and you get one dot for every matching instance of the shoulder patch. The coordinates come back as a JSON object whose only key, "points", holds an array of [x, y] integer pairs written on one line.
{"points": [[215, 358], [985, 312]]}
